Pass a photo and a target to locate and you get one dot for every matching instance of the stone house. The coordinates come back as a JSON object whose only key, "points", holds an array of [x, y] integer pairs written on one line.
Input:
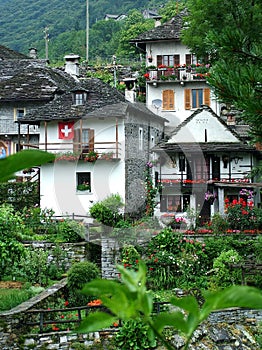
{"points": [[64, 113]]}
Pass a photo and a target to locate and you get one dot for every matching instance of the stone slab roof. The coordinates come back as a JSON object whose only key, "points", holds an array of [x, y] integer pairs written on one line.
{"points": [[100, 95], [169, 31], [34, 83], [8, 54], [102, 101], [208, 147]]}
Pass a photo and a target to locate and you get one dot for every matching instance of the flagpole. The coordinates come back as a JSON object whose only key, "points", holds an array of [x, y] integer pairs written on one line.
{"points": [[87, 30]]}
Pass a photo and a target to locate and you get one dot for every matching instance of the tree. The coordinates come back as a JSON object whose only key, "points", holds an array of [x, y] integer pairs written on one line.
{"points": [[170, 10], [229, 34], [135, 24]]}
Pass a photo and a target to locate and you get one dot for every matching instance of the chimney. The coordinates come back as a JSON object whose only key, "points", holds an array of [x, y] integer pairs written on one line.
{"points": [[72, 64], [130, 90], [33, 53], [157, 21]]}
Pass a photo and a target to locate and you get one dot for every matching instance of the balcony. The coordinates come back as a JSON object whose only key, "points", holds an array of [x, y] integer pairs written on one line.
{"points": [[76, 150], [178, 73], [176, 181]]}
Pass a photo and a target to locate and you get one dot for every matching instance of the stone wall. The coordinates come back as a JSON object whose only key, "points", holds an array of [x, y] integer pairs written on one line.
{"points": [[110, 254], [72, 252]]}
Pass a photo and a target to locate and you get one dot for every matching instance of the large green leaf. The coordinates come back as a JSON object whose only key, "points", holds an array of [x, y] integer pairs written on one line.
{"points": [[235, 296], [22, 160], [96, 321]]}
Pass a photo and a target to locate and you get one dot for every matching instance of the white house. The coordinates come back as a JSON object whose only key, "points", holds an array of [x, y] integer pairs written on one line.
{"points": [[86, 116], [205, 150], [175, 79]]}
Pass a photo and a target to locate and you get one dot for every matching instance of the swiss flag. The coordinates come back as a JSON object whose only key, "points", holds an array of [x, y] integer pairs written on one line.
{"points": [[66, 130]]}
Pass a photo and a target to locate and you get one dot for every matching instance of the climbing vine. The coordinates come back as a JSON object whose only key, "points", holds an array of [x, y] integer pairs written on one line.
{"points": [[151, 190]]}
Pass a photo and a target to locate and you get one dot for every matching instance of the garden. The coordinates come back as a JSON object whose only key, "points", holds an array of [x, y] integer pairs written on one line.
{"points": [[169, 263]]}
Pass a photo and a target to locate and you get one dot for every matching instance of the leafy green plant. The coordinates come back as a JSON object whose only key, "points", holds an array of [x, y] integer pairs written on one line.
{"points": [[78, 275], [108, 211], [11, 228], [91, 156], [218, 224], [133, 335], [22, 160], [33, 266], [222, 274], [130, 300], [71, 231], [83, 187]]}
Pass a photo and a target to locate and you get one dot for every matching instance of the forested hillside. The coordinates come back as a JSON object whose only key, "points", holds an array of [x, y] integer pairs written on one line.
{"points": [[22, 23]]}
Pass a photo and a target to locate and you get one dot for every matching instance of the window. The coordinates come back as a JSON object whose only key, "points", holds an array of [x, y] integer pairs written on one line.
{"points": [[196, 97], [141, 139], [168, 97], [152, 141], [174, 203], [168, 60], [83, 179], [84, 142], [18, 113], [79, 98]]}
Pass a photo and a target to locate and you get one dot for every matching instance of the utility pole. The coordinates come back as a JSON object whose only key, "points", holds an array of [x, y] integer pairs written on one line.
{"points": [[46, 42], [87, 30]]}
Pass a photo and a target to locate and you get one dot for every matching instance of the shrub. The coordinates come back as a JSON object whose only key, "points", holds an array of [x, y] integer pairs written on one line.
{"points": [[218, 224], [108, 211], [71, 231], [11, 228], [33, 266], [133, 335], [78, 275], [223, 275]]}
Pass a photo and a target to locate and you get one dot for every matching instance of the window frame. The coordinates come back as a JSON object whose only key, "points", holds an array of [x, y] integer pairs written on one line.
{"points": [[17, 115], [83, 176], [141, 139], [174, 203], [79, 98]]}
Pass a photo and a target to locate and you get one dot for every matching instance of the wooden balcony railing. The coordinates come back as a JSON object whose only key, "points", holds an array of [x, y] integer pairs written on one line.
{"points": [[175, 180], [173, 74], [104, 149]]}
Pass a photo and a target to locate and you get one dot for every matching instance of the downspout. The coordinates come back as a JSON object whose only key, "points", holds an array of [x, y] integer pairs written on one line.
{"points": [[19, 136]]}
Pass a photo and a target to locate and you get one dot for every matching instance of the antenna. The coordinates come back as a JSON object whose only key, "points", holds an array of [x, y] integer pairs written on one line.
{"points": [[87, 30]]}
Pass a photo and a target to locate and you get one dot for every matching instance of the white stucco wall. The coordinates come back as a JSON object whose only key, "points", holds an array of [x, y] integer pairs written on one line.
{"points": [[58, 180]]}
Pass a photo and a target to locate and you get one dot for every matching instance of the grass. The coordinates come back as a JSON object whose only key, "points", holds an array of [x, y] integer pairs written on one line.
{"points": [[10, 298]]}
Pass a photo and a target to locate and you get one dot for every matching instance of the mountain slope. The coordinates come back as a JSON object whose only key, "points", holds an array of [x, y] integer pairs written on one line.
{"points": [[22, 22]]}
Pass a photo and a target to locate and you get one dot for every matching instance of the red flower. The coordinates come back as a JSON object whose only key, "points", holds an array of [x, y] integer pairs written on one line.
{"points": [[66, 303]]}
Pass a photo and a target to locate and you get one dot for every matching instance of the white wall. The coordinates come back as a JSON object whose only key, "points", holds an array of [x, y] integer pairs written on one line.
{"points": [[58, 180]]}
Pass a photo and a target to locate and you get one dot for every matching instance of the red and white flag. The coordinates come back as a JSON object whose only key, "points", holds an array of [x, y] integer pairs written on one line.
{"points": [[66, 130]]}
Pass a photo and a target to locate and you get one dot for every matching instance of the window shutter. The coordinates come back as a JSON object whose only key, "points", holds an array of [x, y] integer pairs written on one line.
{"points": [[177, 59], [168, 100], [158, 60], [77, 146], [91, 138], [207, 97], [187, 98]]}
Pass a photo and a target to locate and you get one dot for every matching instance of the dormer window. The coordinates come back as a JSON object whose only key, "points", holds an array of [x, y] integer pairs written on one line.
{"points": [[19, 113], [79, 98]]}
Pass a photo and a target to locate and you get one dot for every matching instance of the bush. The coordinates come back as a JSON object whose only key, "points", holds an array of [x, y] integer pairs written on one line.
{"points": [[223, 275], [78, 275], [11, 228], [218, 224], [107, 211], [33, 266], [133, 335], [71, 231]]}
